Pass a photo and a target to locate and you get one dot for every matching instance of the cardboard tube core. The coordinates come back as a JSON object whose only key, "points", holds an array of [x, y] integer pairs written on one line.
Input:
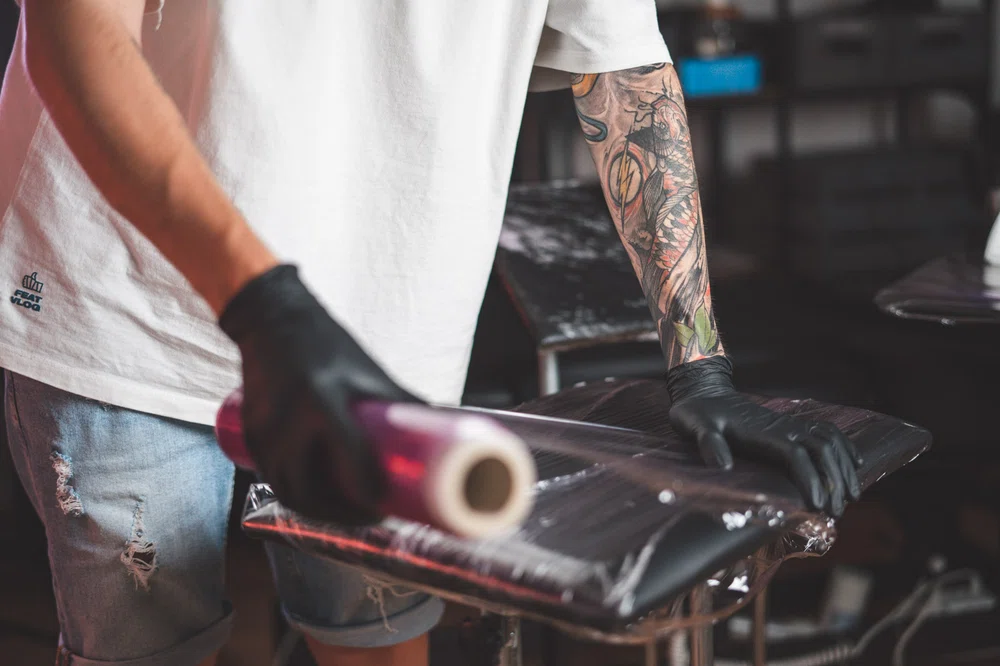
{"points": [[488, 485]]}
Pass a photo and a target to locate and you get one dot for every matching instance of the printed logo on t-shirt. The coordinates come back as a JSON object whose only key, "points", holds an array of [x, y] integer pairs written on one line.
{"points": [[24, 297]]}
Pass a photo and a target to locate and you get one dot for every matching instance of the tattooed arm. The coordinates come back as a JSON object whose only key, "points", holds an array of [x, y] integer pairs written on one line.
{"points": [[637, 128], [636, 125]]}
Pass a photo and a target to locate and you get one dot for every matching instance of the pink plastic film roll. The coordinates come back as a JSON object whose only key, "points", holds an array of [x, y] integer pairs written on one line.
{"points": [[229, 431], [460, 472]]}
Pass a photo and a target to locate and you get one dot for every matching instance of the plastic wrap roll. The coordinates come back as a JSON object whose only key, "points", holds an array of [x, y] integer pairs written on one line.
{"points": [[460, 472]]}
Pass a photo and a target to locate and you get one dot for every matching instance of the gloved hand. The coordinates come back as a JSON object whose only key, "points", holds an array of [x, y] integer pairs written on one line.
{"points": [[301, 373], [706, 407]]}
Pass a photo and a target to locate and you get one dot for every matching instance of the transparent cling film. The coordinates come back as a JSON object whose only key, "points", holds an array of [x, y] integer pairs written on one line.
{"points": [[950, 290], [625, 519]]}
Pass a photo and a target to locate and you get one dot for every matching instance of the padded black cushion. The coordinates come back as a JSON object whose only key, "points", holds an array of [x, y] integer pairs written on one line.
{"points": [[594, 521], [948, 290]]}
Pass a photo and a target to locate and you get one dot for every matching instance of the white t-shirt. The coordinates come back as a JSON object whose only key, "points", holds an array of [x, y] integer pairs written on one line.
{"points": [[368, 142], [993, 244]]}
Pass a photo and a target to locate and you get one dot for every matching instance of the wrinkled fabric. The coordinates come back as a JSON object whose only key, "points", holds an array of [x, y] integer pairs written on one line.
{"points": [[370, 143]]}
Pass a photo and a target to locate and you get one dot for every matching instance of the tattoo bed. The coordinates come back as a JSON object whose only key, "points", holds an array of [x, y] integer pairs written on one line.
{"points": [[631, 539], [949, 290], [564, 267]]}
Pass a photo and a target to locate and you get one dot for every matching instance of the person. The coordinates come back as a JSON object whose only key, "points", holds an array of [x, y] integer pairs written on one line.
{"points": [[305, 198]]}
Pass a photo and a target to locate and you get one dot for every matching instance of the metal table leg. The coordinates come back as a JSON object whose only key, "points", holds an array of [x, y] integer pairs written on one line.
{"points": [[652, 657], [760, 629], [510, 652], [548, 372], [678, 652], [701, 636]]}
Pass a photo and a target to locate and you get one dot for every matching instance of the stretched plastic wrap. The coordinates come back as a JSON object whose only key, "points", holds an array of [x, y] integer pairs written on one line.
{"points": [[456, 470], [949, 290], [625, 520], [556, 237]]}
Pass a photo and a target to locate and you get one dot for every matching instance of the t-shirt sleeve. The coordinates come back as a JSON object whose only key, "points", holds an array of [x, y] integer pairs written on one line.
{"points": [[594, 36]]}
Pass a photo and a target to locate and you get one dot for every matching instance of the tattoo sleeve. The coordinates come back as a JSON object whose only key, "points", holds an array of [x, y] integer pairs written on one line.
{"points": [[636, 124]]}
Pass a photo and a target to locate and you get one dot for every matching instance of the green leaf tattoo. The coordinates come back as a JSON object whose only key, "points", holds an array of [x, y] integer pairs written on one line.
{"points": [[703, 329], [703, 333], [713, 342], [684, 334]]}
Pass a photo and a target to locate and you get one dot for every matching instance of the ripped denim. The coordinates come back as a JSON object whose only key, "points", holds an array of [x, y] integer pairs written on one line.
{"points": [[136, 511]]}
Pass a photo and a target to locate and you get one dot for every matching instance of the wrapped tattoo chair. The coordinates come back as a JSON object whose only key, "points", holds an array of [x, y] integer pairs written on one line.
{"points": [[631, 538], [949, 290], [565, 269]]}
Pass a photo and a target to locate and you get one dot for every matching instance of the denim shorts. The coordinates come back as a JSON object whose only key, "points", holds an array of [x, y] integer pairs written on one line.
{"points": [[136, 510]]}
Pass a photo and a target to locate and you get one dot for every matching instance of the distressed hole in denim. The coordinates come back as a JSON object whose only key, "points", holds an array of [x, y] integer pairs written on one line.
{"points": [[376, 592], [139, 556], [66, 495]]}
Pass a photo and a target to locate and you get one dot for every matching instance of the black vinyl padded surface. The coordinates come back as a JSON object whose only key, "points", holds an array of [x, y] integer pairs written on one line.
{"points": [[949, 290], [562, 262], [589, 527]]}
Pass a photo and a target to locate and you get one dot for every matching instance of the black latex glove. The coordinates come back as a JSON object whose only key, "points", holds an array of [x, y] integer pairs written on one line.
{"points": [[301, 373], [706, 407]]}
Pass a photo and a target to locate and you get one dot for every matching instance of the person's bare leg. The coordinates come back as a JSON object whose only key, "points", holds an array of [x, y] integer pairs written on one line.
{"points": [[410, 653]]}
